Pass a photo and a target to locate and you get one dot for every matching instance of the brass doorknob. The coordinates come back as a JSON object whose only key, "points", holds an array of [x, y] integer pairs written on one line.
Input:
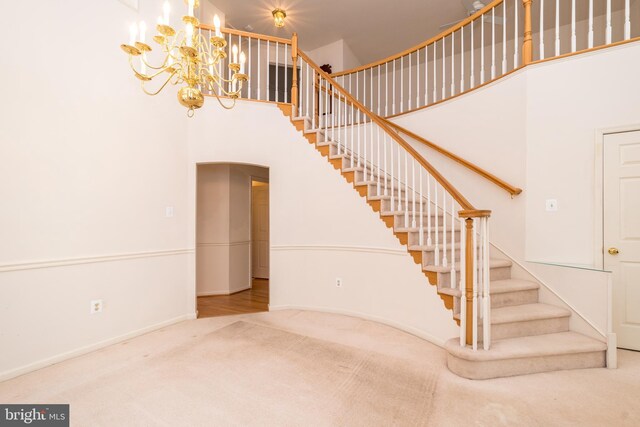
{"points": [[614, 251]]}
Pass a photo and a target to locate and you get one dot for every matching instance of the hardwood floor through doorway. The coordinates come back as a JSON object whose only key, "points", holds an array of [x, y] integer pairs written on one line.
{"points": [[252, 300]]}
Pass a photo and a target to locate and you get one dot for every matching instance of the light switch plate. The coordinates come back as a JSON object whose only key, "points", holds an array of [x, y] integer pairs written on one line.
{"points": [[168, 211], [552, 205]]}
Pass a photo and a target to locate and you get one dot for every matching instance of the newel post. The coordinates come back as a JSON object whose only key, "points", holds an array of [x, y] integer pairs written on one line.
{"points": [[527, 46], [294, 75]]}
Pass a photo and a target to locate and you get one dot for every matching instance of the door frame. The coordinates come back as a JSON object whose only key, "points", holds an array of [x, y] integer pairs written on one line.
{"points": [[598, 255], [266, 181]]}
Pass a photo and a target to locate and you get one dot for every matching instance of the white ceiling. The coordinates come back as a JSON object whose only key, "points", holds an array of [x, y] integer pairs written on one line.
{"points": [[373, 29]]}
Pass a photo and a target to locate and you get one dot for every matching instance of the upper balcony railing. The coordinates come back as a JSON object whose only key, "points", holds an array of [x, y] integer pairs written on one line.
{"points": [[503, 37]]}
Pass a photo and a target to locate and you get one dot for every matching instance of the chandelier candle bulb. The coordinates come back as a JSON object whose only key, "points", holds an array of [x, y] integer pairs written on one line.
{"points": [[143, 31], [191, 7], [133, 32], [216, 25], [166, 8], [189, 34]]}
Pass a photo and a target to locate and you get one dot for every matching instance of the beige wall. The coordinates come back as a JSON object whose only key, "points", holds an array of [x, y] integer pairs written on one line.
{"points": [[89, 164]]}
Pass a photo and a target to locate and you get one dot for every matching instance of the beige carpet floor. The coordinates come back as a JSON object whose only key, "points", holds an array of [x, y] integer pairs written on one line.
{"points": [[296, 368]]}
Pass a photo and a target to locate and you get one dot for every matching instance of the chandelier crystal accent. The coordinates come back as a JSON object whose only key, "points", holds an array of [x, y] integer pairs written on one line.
{"points": [[189, 60]]}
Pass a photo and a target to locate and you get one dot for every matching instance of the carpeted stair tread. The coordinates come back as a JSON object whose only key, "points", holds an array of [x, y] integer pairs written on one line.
{"points": [[493, 263], [530, 346], [526, 312], [512, 285]]}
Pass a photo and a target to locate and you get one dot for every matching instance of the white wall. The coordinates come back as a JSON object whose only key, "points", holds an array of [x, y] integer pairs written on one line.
{"points": [[89, 164], [320, 228], [338, 54]]}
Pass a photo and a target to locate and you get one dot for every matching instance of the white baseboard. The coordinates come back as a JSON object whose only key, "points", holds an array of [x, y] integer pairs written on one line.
{"points": [[409, 329], [612, 351], [89, 348], [214, 293]]}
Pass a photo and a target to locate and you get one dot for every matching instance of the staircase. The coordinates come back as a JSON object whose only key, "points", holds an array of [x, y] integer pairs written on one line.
{"points": [[526, 335]]}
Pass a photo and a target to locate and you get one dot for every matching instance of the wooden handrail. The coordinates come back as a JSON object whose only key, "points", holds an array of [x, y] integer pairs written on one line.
{"points": [[514, 191], [432, 40], [246, 34], [457, 196]]}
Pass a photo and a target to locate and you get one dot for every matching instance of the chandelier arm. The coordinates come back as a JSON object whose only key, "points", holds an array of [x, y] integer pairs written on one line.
{"points": [[229, 107], [161, 87], [145, 76]]}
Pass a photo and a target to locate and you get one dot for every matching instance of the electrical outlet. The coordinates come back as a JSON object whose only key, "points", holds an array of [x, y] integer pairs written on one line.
{"points": [[338, 282], [552, 205], [96, 306]]}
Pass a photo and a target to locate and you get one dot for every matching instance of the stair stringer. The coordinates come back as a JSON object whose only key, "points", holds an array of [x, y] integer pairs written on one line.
{"points": [[349, 176]]}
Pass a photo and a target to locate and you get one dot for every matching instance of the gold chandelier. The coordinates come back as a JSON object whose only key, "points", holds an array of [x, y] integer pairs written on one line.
{"points": [[190, 60]]}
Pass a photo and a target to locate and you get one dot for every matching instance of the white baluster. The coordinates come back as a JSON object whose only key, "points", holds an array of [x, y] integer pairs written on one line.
{"points": [[353, 153], [445, 260], [608, 36], [463, 299], [435, 61], [306, 89], [437, 215], [486, 330], [379, 94], [493, 43], [429, 241], [461, 59], [421, 231], [475, 285], [268, 96], [542, 29], [399, 171], [557, 27], [386, 166], [386, 90], [504, 37], [413, 191], [359, 152], [453, 64], [391, 182], [406, 188], [417, 78], [409, 101], [276, 98], [573, 26], [393, 83], [627, 20], [453, 245], [286, 74], [379, 163], [590, 37], [250, 75], [482, 55], [371, 86], [358, 95], [401, 84], [516, 44], [472, 76], [444, 68], [426, 75]]}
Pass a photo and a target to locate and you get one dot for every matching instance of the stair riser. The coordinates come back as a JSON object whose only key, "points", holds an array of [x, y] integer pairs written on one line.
{"points": [[483, 370], [429, 257], [399, 220], [514, 298], [414, 238], [528, 328], [495, 273]]}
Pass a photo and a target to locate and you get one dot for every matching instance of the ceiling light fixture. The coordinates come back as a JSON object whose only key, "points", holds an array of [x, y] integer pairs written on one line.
{"points": [[278, 17]]}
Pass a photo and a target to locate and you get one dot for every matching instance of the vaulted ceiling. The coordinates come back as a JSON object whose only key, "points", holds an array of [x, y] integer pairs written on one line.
{"points": [[373, 29]]}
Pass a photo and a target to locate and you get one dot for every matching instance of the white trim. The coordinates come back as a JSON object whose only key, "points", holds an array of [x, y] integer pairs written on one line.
{"points": [[228, 244], [215, 293], [91, 347], [340, 248], [90, 260], [541, 282], [409, 329]]}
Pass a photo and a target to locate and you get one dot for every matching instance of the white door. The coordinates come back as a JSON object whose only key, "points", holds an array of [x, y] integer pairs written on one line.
{"points": [[622, 232], [260, 229]]}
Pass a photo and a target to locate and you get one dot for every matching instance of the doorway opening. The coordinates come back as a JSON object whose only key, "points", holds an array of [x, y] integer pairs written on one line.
{"points": [[232, 239]]}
